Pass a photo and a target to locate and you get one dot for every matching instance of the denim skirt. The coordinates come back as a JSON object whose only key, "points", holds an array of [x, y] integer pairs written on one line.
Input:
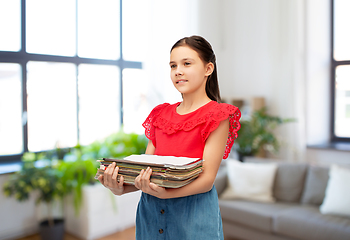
{"points": [[185, 218]]}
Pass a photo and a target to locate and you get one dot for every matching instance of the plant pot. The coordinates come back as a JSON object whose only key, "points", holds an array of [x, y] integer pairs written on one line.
{"points": [[55, 232], [241, 157], [118, 212]]}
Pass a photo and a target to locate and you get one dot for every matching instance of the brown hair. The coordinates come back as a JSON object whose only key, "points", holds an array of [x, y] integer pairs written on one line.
{"points": [[206, 54]]}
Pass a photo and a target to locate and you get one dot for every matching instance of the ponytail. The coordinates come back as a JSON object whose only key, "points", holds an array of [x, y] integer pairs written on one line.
{"points": [[212, 86]]}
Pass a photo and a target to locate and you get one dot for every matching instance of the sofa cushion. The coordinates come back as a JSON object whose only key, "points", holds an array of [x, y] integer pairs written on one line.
{"points": [[257, 215], [306, 222], [250, 181], [337, 199], [289, 182], [315, 185]]}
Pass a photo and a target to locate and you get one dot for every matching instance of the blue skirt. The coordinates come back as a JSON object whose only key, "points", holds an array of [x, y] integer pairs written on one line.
{"points": [[186, 218]]}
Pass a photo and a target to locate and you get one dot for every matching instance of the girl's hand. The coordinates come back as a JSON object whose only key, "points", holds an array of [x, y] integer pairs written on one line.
{"points": [[109, 180], [142, 182]]}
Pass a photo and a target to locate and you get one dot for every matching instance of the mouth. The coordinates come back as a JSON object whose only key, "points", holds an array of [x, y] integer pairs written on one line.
{"points": [[181, 81]]}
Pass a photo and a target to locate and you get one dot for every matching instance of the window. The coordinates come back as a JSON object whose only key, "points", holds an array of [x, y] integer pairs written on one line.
{"points": [[61, 73], [340, 71], [76, 71], [11, 132]]}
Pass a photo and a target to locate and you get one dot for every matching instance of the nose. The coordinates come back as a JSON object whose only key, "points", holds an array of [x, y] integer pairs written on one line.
{"points": [[178, 72]]}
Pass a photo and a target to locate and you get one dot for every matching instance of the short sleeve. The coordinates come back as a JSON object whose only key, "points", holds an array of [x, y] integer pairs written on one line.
{"points": [[234, 127], [148, 123], [221, 112]]}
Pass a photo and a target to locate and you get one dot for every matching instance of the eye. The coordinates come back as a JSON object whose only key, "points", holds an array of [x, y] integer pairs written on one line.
{"points": [[187, 63], [172, 66]]}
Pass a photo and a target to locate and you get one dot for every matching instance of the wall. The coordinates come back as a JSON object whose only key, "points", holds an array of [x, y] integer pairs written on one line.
{"points": [[259, 47], [277, 49]]}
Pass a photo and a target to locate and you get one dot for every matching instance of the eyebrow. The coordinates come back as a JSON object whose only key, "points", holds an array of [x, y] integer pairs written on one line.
{"points": [[184, 59]]}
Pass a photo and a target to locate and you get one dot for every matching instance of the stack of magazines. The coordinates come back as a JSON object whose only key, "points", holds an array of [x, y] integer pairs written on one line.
{"points": [[167, 171]]}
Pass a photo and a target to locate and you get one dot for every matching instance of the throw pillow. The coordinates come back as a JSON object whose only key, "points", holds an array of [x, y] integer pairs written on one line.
{"points": [[337, 196], [315, 185], [289, 181], [250, 181]]}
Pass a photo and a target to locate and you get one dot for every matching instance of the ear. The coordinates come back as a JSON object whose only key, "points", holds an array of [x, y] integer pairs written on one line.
{"points": [[209, 69]]}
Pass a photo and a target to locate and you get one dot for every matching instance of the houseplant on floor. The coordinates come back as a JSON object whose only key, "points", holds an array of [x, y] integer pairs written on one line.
{"points": [[61, 172], [50, 179], [117, 211], [257, 134], [42, 178], [79, 166]]}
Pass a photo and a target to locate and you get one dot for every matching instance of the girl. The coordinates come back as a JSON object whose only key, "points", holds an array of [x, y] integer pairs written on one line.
{"points": [[198, 127]]}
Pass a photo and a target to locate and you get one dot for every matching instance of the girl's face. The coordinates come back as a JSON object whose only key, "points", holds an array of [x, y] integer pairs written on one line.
{"points": [[188, 72]]}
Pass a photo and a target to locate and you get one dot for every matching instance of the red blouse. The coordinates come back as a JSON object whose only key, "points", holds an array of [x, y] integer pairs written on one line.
{"points": [[178, 135]]}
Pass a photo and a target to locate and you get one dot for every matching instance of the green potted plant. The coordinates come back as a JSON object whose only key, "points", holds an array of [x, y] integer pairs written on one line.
{"points": [[53, 179], [117, 145], [257, 134], [80, 163], [55, 174], [45, 181], [74, 173]]}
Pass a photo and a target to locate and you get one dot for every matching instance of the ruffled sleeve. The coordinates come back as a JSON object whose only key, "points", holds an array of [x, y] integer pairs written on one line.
{"points": [[221, 112], [148, 123]]}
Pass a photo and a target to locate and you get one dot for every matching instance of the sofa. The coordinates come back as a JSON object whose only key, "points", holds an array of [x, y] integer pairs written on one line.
{"points": [[298, 191]]}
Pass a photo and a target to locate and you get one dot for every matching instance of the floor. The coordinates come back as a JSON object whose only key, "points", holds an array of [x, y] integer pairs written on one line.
{"points": [[127, 234]]}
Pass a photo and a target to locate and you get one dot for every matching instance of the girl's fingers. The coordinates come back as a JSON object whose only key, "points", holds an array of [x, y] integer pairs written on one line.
{"points": [[115, 174], [108, 174], [140, 176], [148, 173], [156, 188], [121, 182], [153, 186], [142, 181], [141, 173], [110, 179], [145, 179], [100, 178], [138, 183], [138, 180]]}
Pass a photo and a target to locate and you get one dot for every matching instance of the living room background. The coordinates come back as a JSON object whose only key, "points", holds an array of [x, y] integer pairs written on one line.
{"points": [[279, 50]]}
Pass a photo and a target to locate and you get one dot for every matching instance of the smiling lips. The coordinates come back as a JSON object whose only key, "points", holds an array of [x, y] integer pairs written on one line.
{"points": [[181, 81]]}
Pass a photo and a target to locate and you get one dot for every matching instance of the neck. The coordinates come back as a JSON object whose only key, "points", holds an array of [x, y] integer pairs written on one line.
{"points": [[191, 103]]}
